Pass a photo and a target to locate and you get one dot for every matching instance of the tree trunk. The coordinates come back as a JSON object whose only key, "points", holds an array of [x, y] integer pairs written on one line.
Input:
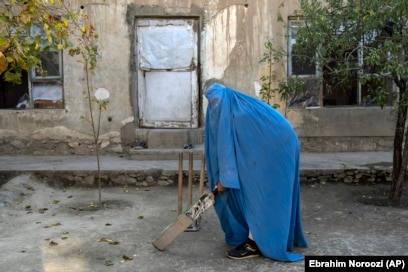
{"points": [[397, 193], [400, 156]]}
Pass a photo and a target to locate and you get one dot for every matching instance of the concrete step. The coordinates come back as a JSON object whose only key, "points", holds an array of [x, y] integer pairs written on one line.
{"points": [[168, 138], [165, 153]]}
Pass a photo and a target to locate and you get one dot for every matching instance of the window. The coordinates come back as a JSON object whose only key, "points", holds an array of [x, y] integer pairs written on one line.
{"points": [[318, 86], [40, 88], [301, 66], [302, 72]]}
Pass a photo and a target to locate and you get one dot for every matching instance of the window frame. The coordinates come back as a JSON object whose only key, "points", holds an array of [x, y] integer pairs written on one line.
{"points": [[35, 30], [38, 78], [32, 81], [311, 94], [290, 47]]}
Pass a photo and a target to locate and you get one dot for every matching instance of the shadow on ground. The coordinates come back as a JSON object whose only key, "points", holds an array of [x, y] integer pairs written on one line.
{"points": [[377, 195]]}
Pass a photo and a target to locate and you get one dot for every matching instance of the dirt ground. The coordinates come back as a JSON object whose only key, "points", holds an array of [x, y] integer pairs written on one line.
{"points": [[44, 228]]}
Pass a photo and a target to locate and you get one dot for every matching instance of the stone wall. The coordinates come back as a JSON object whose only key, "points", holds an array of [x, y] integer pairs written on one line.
{"points": [[153, 177]]}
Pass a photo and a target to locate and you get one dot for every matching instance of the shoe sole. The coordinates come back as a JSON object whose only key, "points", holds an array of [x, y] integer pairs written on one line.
{"points": [[243, 257]]}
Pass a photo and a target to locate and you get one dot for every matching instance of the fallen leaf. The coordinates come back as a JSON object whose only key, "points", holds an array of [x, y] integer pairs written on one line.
{"points": [[109, 241], [140, 217], [127, 258], [53, 225], [52, 243], [29, 209], [108, 263]]}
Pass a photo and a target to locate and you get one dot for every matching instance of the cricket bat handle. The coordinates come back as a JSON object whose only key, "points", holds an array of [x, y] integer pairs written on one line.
{"points": [[206, 200]]}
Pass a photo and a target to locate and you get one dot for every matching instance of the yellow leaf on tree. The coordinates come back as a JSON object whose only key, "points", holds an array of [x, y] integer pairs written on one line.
{"points": [[4, 44], [25, 19], [3, 63]]}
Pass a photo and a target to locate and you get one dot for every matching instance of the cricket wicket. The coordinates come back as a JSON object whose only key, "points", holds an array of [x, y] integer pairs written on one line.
{"points": [[195, 226]]}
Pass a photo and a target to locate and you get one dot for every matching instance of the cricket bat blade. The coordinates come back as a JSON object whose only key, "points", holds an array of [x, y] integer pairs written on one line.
{"points": [[184, 220]]}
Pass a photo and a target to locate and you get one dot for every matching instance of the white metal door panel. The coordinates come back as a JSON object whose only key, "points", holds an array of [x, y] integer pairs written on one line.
{"points": [[168, 97], [167, 73]]}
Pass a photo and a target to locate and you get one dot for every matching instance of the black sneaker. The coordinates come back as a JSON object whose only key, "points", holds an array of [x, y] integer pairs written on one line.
{"points": [[246, 250]]}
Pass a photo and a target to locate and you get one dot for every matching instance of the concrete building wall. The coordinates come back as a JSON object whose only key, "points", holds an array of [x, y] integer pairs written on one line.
{"points": [[345, 129], [232, 37]]}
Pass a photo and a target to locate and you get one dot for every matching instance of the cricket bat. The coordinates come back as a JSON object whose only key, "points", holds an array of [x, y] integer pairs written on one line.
{"points": [[184, 220]]}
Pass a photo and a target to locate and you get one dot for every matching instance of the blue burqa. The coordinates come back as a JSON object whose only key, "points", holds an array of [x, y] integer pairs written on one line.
{"points": [[254, 152]]}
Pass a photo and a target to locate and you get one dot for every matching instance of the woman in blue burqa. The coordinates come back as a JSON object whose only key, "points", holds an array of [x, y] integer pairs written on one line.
{"points": [[252, 156]]}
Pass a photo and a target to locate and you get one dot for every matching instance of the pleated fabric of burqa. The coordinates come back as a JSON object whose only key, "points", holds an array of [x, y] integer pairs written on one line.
{"points": [[254, 151]]}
